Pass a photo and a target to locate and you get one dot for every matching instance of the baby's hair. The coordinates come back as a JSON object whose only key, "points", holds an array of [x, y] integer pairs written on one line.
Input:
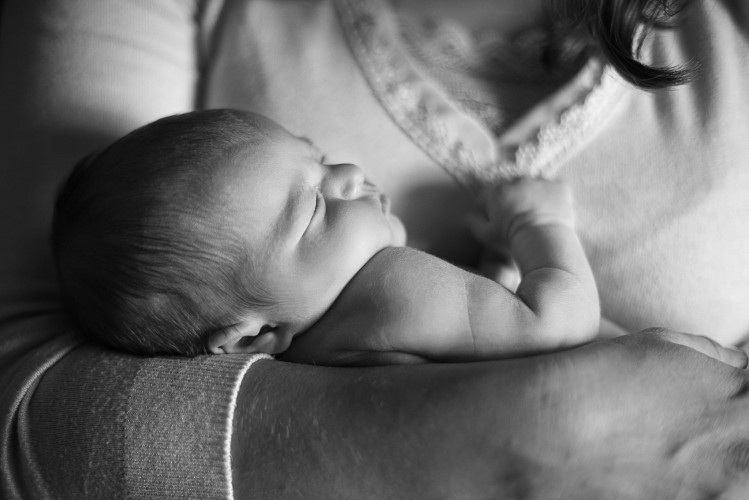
{"points": [[145, 264], [617, 28]]}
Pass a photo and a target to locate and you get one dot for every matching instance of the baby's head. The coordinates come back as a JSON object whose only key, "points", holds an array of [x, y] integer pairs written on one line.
{"points": [[212, 231]]}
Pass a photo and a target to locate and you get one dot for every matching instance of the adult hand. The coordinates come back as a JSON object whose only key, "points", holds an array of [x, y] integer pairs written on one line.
{"points": [[645, 416]]}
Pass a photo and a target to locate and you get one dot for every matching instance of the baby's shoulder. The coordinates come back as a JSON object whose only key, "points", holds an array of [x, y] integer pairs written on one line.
{"points": [[394, 289]]}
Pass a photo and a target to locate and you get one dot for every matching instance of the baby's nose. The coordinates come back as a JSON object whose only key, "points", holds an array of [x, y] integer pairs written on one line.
{"points": [[346, 180]]}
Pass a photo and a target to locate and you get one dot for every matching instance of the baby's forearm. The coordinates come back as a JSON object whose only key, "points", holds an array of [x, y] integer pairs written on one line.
{"points": [[556, 302], [558, 286]]}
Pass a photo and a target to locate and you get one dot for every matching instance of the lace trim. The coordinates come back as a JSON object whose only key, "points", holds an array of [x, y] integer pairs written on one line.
{"points": [[459, 143], [542, 152], [455, 141]]}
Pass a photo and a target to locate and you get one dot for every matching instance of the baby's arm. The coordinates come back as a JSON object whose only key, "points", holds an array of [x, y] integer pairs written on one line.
{"points": [[557, 300], [408, 306], [403, 306]]}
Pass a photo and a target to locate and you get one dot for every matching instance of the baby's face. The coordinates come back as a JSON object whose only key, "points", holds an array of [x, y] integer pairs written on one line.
{"points": [[309, 225]]}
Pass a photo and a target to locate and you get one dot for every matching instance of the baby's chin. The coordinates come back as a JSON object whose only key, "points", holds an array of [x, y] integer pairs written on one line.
{"points": [[397, 231]]}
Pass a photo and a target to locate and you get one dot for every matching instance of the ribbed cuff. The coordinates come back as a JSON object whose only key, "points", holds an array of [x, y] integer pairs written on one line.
{"points": [[178, 442]]}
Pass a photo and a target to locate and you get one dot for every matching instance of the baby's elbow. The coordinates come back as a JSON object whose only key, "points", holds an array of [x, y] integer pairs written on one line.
{"points": [[566, 329], [583, 328], [569, 322], [564, 305]]}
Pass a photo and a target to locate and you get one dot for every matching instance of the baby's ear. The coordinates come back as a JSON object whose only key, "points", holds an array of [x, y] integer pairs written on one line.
{"points": [[251, 335]]}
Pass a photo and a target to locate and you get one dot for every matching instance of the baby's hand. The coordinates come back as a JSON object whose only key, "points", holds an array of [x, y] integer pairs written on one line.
{"points": [[519, 204]]}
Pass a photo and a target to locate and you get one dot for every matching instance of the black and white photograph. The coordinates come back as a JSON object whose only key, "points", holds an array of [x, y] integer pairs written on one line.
{"points": [[374, 249]]}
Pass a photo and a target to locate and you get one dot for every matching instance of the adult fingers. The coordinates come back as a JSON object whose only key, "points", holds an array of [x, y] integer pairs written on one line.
{"points": [[729, 355]]}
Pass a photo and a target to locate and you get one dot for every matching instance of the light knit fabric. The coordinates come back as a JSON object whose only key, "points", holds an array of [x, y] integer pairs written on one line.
{"points": [[659, 177], [78, 421]]}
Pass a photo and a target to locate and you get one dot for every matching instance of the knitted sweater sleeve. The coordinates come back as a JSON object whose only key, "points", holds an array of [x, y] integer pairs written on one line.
{"points": [[76, 420], [79, 421]]}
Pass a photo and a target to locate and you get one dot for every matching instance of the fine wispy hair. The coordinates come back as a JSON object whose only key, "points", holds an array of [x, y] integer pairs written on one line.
{"points": [[145, 261]]}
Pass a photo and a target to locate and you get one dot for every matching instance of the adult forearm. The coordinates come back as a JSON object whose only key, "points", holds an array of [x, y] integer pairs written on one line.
{"points": [[629, 419], [427, 431]]}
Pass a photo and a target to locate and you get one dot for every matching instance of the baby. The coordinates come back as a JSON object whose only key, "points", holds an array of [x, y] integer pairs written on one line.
{"points": [[219, 231]]}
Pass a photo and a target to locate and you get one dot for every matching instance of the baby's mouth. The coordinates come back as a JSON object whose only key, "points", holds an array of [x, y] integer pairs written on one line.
{"points": [[371, 189]]}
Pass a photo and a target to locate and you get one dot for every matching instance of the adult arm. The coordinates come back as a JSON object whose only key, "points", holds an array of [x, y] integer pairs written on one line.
{"points": [[639, 417]]}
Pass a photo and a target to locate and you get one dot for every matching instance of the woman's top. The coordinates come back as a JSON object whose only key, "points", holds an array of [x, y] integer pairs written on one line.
{"points": [[659, 179]]}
